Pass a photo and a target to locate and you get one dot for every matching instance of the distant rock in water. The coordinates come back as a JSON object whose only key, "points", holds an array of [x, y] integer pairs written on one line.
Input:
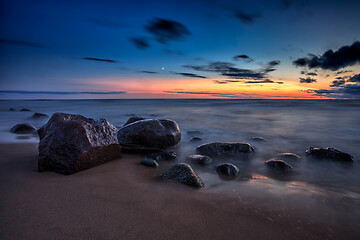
{"points": [[200, 159], [160, 156], [183, 173], [22, 128], [150, 133], [228, 169], [279, 165], [38, 116], [288, 157], [329, 153], [71, 143], [133, 119], [11, 110], [196, 139], [230, 149], [194, 132], [259, 139], [149, 162], [25, 110]]}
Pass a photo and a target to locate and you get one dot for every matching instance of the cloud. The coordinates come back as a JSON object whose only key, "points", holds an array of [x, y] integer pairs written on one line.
{"points": [[244, 57], [21, 43], [140, 42], [355, 78], [216, 94], [307, 80], [189, 75], [308, 73], [100, 59], [56, 92], [330, 60], [229, 70], [247, 18], [341, 72], [273, 63], [149, 72], [165, 30], [226, 81], [337, 83]]}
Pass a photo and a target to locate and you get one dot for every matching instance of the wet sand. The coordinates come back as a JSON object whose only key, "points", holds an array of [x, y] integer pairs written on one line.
{"points": [[125, 200]]}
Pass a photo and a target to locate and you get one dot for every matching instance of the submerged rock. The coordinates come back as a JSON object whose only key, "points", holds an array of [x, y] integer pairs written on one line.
{"points": [[25, 110], [228, 169], [259, 139], [150, 133], [149, 162], [160, 156], [39, 115], [71, 143], [195, 139], [12, 109], [288, 157], [133, 119], [329, 153], [279, 165], [230, 149], [183, 173], [22, 128], [200, 159]]}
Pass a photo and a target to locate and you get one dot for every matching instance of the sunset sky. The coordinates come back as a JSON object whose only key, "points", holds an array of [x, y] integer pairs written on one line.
{"points": [[179, 49]]}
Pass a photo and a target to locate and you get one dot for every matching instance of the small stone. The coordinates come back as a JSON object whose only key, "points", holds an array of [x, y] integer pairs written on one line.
{"points": [[183, 173], [25, 110], [160, 156], [279, 165], [22, 128], [230, 149], [228, 169], [12, 109], [196, 139], [149, 162], [39, 115], [200, 159]]}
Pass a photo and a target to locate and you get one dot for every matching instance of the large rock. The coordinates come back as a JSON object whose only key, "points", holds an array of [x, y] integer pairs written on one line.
{"points": [[229, 149], [228, 169], [288, 157], [329, 153], [22, 128], [183, 173], [279, 165], [133, 119], [71, 143], [150, 133]]}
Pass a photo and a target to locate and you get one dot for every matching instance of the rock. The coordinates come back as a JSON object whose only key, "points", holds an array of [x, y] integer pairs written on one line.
{"points": [[133, 119], [228, 169], [200, 159], [150, 133], [39, 115], [258, 139], [288, 157], [279, 165], [329, 153], [160, 156], [149, 162], [195, 139], [22, 128], [183, 173], [194, 132], [12, 109], [25, 110], [71, 143], [229, 149]]}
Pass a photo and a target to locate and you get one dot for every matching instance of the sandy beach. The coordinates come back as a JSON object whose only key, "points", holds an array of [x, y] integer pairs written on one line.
{"points": [[124, 200]]}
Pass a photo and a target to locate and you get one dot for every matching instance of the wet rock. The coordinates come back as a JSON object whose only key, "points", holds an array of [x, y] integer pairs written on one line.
{"points": [[228, 169], [259, 139], [288, 157], [160, 156], [200, 159], [150, 133], [149, 162], [133, 119], [39, 116], [25, 110], [12, 109], [22, 128], [329, 153], [183, 173], [194, 132], [279, 165], [71, 143], [229, 149], [196, 139]]}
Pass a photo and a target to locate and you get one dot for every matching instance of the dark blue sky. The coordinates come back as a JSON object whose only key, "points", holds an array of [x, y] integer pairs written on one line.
{"points": [[89, 46]]}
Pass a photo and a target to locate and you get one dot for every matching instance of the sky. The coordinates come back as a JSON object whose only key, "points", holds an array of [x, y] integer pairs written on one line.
{"points": [[179, 49]]}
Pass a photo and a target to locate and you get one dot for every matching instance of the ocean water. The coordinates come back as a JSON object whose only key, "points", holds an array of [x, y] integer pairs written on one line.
{"points": [[288, 125]]}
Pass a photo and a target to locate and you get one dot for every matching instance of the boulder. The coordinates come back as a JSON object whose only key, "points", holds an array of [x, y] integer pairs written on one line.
{"points": [[71, 143], [149, 162], [22, 128], [288, 157], [200, 159], [133, 119], [279, 165], [160, 156], [183, 173], [228, 169], [228, 149], [39, 115], [150, 133], [25, 110], [329, 153]]}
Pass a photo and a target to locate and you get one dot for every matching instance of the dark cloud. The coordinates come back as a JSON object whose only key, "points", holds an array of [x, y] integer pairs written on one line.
{"points": [[226, 81], [100, 59], [261, 81], [351, 91], [107, 23], [307, 80], [21, 43], [174, 52], [247, 18], [244, 57], [149, 72], [355, 78], [56, 93], [229, 70], [342, 72], [189, 75], [165, 30], [274, 63], [330, 60], [337, 83], [140, 42], [308, 73]]}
